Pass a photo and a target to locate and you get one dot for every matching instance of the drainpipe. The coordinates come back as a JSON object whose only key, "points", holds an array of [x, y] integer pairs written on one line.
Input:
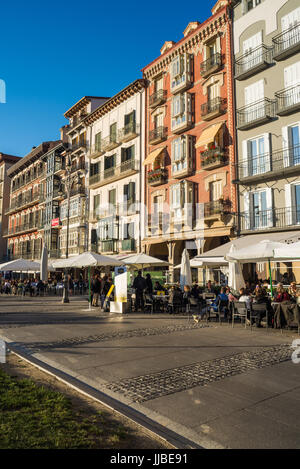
{"points": [[234, 136]]}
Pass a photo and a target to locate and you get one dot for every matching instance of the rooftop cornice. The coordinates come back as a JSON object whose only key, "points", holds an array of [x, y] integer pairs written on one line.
{"points": [[31, 157], [113, 102], [80, 105], [200, 35]]}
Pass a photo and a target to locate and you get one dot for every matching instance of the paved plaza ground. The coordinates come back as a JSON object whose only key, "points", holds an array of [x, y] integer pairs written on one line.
{"points": [[214, 385]]}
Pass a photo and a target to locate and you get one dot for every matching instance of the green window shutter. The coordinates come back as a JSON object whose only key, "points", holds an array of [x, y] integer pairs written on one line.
{"points": [[98, 141]]}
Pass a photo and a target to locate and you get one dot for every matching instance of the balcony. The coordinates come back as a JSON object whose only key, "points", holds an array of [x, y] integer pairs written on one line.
{"points": [[213, 158], [128, 132], [211, 65], [255, 114], [96, 150], [270, 220], [109, 246], [25, 201], [38, 174], [23, 228], [113, 174], [128, 245], [157, 177], [157, 98], [287, 43], [284, 162], [213, 108], [158, 135], [288, 100], [110, 143], [80, 166], [216, 209], [77, 191], [78, 147], [253, 62]]}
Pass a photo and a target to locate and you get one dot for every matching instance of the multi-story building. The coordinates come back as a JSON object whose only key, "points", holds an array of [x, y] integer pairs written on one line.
{"points": [[267, 84], [189, 153], [53, 194], [116, 131], [6, 161], [25, 212], [74, 204]]}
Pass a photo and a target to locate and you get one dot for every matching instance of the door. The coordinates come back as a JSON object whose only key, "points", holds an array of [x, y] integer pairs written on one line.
{"points": [[254, 96], [259, 161], [253, 51]]}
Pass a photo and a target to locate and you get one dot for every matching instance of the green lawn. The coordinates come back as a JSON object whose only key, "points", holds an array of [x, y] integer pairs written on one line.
{"points": [[33, 416]]}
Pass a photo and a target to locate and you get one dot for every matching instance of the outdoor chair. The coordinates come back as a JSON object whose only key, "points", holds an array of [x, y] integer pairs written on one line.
{"points": [[175, 306], [258, 309], [148, 303], [239, 310]]}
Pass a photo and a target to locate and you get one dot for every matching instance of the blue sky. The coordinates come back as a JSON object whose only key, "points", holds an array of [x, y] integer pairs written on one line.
{"points": [[53, 53]]}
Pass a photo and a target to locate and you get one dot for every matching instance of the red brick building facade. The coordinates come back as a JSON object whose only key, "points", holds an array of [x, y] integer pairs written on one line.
{"points": [[189, 164]]}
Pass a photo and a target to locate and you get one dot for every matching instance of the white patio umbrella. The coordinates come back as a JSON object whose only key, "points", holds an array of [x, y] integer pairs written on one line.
{"points": [[143, 261], [235, 276], [260, 252], [44, 265], [185, 270], [20, 265], [287, 252]]}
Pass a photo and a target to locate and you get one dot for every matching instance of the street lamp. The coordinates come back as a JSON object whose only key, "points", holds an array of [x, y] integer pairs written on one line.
{"points": [[69, 180]]}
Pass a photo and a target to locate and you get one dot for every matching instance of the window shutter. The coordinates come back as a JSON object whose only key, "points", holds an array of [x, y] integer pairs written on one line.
{"points": [[285, 147], [269, 200], [267, 144], [247, 210], [288, 204], [245, 159]]}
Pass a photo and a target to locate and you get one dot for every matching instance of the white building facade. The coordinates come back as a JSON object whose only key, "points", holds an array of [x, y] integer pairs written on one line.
{"points": [[116, 131]]}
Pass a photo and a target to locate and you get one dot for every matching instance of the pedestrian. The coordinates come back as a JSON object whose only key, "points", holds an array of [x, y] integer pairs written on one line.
{"points": [[96, 289], [149, 287], [139, 284]]}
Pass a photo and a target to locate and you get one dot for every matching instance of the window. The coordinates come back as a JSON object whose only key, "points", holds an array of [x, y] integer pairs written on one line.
{"points": [[129, 192], [159, 121], [128, 230], [109, 162], [260, 206], [113, 132], [215, 190], [181, 71], [251, 48], [292, 203], [182, 199], [256, 153], [250, 4], [291, 144], [112, 197], [129, 122], [212, 92], [182, 154], [96, 203], [127, 154], [181, 111], [94, 169], [98, 141]]}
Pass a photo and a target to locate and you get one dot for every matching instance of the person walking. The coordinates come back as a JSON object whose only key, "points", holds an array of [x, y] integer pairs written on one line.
{"points": [[96, 289]]}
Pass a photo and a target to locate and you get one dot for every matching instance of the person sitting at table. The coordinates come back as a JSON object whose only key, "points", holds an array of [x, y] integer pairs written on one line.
{"points": [[293, 291], [158, 287], [209, 287], [281, 294], [175, 299], [244, 297], [261, 297]]}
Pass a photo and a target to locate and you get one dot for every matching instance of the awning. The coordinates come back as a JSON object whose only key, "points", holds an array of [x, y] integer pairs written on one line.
{"points": [[208, 135], [153, 155]]}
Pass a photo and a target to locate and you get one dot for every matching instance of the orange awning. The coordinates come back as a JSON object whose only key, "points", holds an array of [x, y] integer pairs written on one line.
{"points": [[153, 155], [208, 135]]}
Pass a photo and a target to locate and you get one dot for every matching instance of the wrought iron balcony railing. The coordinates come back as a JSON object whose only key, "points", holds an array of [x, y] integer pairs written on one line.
{"points": [[158, 135], [116, 172], [288, 100], [157, 98], [270, 165], [211, 65], [213, 158], [287, 42], [253, 62], [213, 108], [256, 114], [274, 218]]}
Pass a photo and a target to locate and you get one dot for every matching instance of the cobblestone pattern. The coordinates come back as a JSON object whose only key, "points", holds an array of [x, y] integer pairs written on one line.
{"points": [[154, 385], [142, 332]]}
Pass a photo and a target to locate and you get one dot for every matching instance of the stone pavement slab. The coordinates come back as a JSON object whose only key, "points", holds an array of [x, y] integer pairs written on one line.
{"points": [[217, 385]]}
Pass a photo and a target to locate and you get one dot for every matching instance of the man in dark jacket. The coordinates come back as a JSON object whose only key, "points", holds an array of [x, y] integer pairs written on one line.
{"points": [[96, 289], [140, 285]]}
